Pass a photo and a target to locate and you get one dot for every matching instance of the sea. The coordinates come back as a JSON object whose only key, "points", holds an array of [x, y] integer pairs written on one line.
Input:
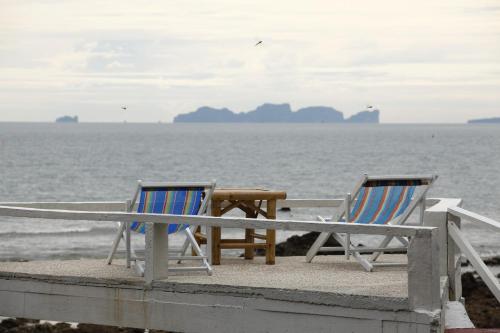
{"points": [[102, 162]]}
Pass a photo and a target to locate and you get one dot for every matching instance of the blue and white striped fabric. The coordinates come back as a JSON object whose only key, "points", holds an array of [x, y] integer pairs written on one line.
{"points": [[169, 200], [381, 204]]}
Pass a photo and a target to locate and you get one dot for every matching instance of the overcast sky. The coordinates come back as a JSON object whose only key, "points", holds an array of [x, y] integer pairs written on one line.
{"points": [[418, 61]]}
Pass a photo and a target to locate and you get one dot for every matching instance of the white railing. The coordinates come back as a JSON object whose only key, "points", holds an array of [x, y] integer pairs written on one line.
{"points": [[423, 269], [119, 205], [459, 239]]}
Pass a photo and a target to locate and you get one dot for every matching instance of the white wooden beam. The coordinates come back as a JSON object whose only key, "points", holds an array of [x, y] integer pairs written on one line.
{"points": [[97, 206], [474, 217], [225, 222], [489, 279]]}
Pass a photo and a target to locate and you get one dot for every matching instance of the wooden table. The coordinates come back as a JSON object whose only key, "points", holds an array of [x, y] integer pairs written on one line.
{"points": [[249, 201]]}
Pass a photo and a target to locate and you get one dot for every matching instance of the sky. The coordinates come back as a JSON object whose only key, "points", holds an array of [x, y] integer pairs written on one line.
{"points": [[420, 61]]}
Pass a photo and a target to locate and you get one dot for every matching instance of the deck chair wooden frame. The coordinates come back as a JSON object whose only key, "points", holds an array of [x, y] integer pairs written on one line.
{"points": [[349, 249], [124, 231]]}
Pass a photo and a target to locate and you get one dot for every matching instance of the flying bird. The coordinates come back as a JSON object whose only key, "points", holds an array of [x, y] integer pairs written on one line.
{"points": [[124, 108], [369, 107], [259, 42]]}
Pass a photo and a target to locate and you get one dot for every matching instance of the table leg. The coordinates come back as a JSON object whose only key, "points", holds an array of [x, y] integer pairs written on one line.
{"points": [[271, 234], [216, 234], [249, 251]]}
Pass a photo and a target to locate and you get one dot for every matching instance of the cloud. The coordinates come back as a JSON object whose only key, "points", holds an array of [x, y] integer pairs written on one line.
{"points": [[176, 55]]}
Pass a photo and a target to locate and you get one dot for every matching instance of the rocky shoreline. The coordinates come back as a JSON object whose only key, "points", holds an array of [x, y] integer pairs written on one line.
{"points": [[481, 305], [22, 325]]}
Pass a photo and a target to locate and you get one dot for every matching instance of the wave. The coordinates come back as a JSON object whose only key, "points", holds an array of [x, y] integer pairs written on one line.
{"points": [[66, 232]]}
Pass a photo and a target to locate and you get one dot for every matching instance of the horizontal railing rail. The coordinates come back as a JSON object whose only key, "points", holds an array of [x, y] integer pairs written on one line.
{"points": [[120, 205], [423, 270], [474, 217], [460, 240], [210, 221], [96, 206]]}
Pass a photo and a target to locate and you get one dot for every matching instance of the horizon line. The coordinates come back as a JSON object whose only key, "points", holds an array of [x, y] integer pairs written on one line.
{"points": [[274, 123]]}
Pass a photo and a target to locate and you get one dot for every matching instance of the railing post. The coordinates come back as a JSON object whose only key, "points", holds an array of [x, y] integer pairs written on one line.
{"points": [[156, 254], [423, 271], [454, 264], [128, 208], [437, 216]]}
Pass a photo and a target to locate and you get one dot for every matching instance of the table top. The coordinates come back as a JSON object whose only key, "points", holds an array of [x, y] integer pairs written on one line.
{"points": [[247, 194]]}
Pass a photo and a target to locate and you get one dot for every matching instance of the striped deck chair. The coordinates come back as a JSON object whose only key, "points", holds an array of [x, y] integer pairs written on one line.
{"points": [[376, 200], [167, 198]]}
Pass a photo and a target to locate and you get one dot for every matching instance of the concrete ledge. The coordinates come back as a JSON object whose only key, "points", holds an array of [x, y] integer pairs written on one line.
{"points": [[89, 291], [330, 280]]}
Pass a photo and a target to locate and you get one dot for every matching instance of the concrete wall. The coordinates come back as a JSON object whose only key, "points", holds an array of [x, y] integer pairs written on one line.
{"points": [[187, 308]]}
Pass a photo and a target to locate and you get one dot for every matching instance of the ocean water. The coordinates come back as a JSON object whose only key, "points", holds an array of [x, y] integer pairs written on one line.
{"points": [[92, 162]]}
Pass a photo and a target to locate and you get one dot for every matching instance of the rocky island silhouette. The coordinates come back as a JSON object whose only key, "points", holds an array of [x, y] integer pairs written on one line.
{"points": [[277, 113]]}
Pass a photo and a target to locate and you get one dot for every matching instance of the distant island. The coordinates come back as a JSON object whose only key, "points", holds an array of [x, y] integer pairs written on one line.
{"points": [[485, 121], [276, 113], [67, 119]]}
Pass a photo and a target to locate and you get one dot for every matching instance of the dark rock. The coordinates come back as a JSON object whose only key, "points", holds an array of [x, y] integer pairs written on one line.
{"points": [[63, 328], [91, 328], [482, 307], [16, 322], [493, 261], [20, 325], [9, 323], [298, 245], [36, 328]]}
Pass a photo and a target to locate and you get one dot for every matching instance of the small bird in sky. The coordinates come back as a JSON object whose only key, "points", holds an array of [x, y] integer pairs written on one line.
{"points": [[259, 42], [369, 107], [124, 108]]}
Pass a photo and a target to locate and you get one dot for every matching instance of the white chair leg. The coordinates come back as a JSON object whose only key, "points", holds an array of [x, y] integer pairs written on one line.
{"points": [[365, 263], [347, 246], [318, 243], [384, 243], [185, 245], [116, 241], [127, 244], [403, 240], [194, 244], [139, 267]]}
